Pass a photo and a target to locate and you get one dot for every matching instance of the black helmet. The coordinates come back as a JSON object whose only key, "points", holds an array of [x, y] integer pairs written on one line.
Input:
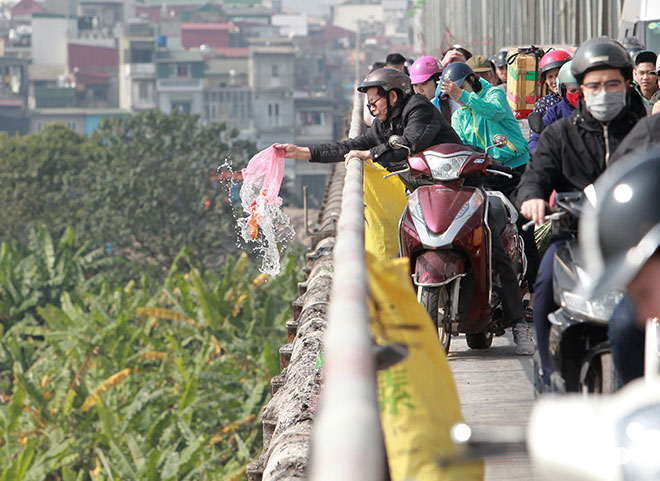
{"points": [[622, 231], [633, 51], [499, 59], [598, 54], [457, 72], [387, 79]]}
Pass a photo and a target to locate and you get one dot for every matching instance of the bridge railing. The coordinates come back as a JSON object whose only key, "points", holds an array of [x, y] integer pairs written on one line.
{"points": [[347, 441]]}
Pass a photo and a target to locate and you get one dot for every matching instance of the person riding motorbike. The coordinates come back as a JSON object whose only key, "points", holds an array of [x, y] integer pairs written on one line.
{"points": [[569, 91], [483, 68], [645, 77], [550, 64], [485, 113], [424, 75], [620, 244], [499, 60], [572, 152], [397, 111]]}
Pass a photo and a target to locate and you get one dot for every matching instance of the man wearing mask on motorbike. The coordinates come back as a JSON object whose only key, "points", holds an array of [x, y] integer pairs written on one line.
{"points": [[397, 112], [572, 152], [484, 113]]}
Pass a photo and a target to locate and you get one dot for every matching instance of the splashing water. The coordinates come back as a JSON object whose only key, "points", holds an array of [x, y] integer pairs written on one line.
{"points": [[266, 225]]}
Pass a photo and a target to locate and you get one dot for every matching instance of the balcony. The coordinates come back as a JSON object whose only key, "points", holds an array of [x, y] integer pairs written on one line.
{"points": [[179, 84], [142, 70]]}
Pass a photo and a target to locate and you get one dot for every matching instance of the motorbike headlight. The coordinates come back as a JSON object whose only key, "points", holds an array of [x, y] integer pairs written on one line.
{"points": [[599, 309], [638, 436], [443, 167], [415, 206]]}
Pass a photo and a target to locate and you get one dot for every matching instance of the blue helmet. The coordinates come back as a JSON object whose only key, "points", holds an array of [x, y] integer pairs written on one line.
{"points": [[457, 72]]}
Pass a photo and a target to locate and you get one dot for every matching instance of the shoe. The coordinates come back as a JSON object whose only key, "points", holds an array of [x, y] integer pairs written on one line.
{"points": [[529, 315], [522, 336]]}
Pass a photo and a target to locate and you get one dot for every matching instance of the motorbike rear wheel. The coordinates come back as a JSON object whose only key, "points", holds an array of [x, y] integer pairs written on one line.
{"points": [[435, 301], [601, 377], [481, 340]]}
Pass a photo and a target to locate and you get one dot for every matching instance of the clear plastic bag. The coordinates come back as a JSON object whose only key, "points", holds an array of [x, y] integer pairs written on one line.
{"points": [[265, 223]]}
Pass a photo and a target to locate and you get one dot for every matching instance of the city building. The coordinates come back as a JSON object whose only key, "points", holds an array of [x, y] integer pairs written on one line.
{"points": [[137, 70], [180, 81]]}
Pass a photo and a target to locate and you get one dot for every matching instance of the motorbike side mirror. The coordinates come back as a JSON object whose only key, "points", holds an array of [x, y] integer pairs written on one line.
{"points": [[499, 140], [396, 142], [536, 124]]}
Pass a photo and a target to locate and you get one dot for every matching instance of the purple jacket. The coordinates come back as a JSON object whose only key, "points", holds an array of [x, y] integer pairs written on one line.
{"points": [[556, 112]]}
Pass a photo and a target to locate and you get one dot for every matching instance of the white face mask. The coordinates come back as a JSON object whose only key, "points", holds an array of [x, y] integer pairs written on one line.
{"points": [[604, 106]]}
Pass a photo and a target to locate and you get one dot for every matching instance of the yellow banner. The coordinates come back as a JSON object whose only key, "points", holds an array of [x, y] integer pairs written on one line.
{"points": [[418, 398], [384, 201]]}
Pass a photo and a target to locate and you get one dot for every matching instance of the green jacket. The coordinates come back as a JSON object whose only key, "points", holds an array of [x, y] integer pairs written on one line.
{"points": [[485, 114]]}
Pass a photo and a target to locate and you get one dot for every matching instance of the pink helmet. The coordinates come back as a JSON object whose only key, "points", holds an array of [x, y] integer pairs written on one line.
{"points": [[423, 68]]}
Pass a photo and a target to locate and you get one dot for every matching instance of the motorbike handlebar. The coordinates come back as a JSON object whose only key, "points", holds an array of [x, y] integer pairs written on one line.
{"points": [[554, 216], [502, 170]]}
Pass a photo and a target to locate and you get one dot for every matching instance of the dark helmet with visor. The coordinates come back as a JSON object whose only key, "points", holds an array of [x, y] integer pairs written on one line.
{"points": [[598, 54], [457, 72]]}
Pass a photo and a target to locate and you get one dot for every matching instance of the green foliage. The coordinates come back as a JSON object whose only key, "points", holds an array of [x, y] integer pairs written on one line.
{"points": [[142, 183], [41, 271], [143, 381]]}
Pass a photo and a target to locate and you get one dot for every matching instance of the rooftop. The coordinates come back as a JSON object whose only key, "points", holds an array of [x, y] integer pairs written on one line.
{"points": [[165, 56], [208, 26]]}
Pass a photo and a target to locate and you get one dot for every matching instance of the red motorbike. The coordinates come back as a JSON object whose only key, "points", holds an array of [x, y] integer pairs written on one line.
{"points": [[444, 231]]}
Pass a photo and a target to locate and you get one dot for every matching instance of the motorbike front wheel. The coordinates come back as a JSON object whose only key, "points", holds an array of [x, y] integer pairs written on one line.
{"points": [[481, 340], [435, 301]]}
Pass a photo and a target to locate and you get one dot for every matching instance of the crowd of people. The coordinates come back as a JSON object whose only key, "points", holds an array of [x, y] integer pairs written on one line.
{"points": [[596, 107]]}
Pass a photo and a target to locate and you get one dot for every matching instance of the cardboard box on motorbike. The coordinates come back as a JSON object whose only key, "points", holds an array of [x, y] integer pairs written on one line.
{"points": [[522, 82]]}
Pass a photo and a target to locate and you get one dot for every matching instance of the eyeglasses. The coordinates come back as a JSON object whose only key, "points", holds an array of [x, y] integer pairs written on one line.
{"points": [[372, 104], [609, 86]]}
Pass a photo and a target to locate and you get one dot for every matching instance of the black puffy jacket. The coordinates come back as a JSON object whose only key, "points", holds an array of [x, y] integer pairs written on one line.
{"points": [[420, 123], [572, 152]]}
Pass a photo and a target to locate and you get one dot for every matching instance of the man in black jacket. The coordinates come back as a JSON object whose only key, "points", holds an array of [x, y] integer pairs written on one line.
{"points": [[396, 112], [572, 152]]}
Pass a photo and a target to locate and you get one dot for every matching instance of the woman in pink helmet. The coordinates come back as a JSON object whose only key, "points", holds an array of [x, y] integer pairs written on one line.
{"points": [[424, 75]]}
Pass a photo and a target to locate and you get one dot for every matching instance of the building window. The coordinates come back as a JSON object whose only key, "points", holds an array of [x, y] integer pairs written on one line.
{"points": [[143, 90], [179, 70], [274, 71]]}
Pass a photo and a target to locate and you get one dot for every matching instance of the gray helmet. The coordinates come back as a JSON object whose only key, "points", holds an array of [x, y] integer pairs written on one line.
{"points": [[565, 76], [622, 231], [499, 59], [387, 79], [598, 54]]}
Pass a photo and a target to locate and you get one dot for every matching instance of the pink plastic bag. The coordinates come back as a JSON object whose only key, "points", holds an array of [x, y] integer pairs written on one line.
{"points": [[260, 200], [262, 179]]}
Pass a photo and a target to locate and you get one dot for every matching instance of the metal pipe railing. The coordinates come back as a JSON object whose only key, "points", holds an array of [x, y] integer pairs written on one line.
{"points": [[347, 441]]}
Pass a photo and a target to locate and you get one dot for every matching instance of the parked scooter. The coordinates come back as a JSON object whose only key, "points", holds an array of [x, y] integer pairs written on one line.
{"points": [[445, 233], [584, 438], [578, 335]]}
